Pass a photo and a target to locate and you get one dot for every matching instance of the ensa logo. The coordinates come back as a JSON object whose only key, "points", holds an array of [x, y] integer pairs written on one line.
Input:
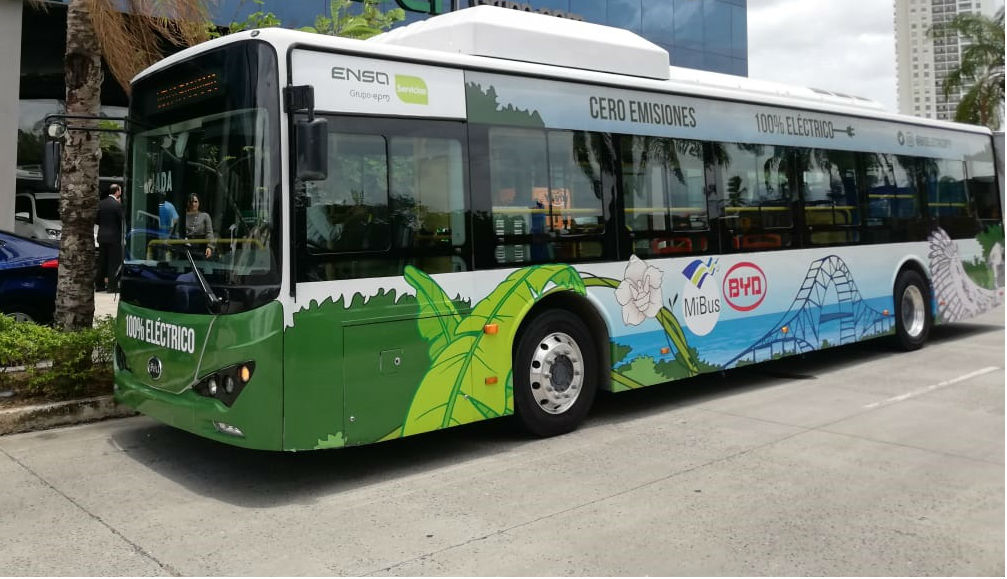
{"points": [[744, 286], [366, 76]]}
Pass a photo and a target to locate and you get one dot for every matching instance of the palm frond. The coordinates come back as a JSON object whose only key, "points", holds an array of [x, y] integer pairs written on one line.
{"points": [[135, 34], [981, 66]]}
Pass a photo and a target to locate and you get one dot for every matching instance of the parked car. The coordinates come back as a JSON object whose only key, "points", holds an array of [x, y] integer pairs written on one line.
{"points": [[28, 278], [36, 216]]}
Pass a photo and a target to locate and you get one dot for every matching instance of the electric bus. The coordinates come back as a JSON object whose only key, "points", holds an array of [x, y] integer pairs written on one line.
{"points": [[493, 213]]}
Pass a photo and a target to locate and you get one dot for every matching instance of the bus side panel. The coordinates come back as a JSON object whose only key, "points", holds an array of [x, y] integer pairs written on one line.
{"points": [[353, 365], [718, 312], [966, 275], [385, 364], [312, 368], [366, 367]]}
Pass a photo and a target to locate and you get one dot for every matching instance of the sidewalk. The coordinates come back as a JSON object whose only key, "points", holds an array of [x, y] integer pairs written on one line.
{"points": [[105, 304]]}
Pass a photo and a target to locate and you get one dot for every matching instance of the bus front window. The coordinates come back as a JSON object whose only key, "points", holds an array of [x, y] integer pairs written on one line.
{"points": [[204, 189]]}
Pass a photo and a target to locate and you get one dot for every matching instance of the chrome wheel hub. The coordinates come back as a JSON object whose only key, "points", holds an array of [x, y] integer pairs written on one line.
{"points": [[557, 373], [913, 311]]}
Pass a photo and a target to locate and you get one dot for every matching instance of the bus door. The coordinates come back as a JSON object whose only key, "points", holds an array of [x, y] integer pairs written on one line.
{"points": [[394, 202]]}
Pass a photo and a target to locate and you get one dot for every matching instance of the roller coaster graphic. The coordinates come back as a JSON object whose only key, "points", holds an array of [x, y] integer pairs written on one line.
{"points": [[800, 328]]}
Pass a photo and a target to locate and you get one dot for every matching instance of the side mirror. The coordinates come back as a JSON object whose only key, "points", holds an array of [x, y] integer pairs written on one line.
{"points": [[51, 156], [312, 150], [23, 216]]}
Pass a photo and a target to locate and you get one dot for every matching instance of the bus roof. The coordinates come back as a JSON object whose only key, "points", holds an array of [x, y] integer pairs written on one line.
{"points": [[527, 37], [514, 42]]}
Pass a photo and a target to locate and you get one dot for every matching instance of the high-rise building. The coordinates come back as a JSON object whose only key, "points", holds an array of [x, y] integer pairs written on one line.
{"points": [[923, 61]]}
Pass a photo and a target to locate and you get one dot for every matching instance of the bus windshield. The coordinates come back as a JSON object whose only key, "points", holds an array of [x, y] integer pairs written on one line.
{"points": [[202, 192]]}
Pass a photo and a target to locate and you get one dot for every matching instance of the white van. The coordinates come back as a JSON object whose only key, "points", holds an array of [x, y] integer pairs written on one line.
{"points": [[36, 216]]}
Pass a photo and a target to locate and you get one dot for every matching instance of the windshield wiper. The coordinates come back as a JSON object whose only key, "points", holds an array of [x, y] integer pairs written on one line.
{"points": [[212, 300]]}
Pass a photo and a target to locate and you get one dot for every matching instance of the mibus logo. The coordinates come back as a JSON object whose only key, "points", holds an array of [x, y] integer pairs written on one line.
{"points": [[411, 89], [360, 75], [744, 286], [700, 298]]}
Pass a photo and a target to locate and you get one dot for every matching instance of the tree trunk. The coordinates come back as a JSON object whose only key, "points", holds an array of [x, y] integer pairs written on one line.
{"points": [[79, 168]]}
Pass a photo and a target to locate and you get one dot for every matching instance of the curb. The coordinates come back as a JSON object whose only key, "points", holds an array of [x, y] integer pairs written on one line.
{"points": [[55, 414]]}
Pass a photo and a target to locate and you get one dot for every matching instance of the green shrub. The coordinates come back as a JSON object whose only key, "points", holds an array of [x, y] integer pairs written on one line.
{"points": [[56, 364]]}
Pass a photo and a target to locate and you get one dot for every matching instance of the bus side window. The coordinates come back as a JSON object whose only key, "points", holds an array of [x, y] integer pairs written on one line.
{"points": [[575, 216], [892, 203], [664, 199], [757, 208], [428, 202], [982, 189], [349, 210], [547, 194], [830, 195], [947, 203], [517, 166]]}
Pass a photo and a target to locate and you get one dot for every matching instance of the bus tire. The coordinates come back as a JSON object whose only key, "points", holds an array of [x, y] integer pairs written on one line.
{"points": [[555, 374], [913, 316]]}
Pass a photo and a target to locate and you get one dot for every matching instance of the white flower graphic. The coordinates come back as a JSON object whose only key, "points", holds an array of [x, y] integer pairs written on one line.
{"points": [[639, 293]]}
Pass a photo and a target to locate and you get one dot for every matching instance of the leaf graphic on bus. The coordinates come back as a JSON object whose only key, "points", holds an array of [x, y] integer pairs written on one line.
{"points": [[671, 327], [669, 323], [438, 317], [454, 391]]}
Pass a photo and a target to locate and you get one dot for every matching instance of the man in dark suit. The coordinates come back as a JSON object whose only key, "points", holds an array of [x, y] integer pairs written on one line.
{"points": [[109, 220]]}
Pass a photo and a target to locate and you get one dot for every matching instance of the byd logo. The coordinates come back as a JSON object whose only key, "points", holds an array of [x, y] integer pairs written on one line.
{"points": [[744, 286]]}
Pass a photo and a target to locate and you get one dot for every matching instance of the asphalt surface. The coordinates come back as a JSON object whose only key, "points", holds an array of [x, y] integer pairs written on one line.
{"points": [[852, 461]]}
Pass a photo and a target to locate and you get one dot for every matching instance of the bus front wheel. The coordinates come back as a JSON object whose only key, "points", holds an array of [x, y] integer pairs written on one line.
{"points": [[555, 374], [913, 317]]}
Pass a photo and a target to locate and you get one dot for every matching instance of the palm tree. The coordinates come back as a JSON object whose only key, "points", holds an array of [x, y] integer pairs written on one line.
{"points": [[129, 35], [981, 67]]}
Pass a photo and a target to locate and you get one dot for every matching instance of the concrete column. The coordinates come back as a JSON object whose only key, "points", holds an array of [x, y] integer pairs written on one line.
{"points": [[10, 83]]}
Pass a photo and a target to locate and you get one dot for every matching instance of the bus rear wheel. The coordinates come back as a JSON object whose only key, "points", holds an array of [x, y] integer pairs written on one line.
{"points": [[913, 317], [555, 374]]}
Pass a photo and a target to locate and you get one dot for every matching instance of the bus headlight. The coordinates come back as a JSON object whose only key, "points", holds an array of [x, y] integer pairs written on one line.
{"points": [[227, 383]]}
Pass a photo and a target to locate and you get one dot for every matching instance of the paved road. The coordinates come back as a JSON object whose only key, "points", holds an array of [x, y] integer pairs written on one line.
{"points": [[854, 461]]}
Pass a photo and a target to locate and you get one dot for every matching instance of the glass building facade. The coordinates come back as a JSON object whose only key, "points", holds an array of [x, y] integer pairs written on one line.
{"points": [[705, 34]]}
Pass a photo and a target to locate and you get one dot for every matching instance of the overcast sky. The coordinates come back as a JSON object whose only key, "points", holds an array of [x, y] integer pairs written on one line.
{"points": [[847, 46]]}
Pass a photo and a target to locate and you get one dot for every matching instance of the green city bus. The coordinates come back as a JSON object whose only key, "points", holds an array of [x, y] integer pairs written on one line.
{"points": [[334, 242]]}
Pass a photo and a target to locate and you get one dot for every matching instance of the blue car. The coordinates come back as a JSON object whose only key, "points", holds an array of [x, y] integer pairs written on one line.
{"points": [[28, 278]]}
